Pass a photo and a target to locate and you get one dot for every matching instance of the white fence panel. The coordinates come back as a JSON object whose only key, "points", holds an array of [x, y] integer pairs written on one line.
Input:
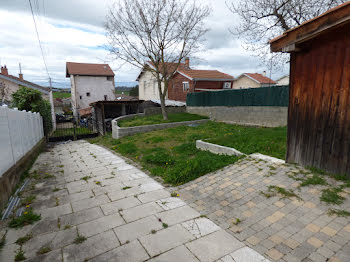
{"points": [[20, 131]]}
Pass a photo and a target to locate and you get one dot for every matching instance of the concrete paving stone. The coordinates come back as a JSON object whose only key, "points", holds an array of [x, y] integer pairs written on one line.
{"points": [[80, 196], [55, 212], [82, 188], [100, 225], [200, 227], [115, 206], [90, 248], [165, 240], [7, 253], [214, 246], [170, 203], [134, 191], [89, 203], [178, 215], [134, 230], [108, 188], [36, 243], [64, 238], [53, 256], [80, 217], [153, 195], [177, 254], [141, 211], [44, 226], [152, 186], [131, 252], [246, 254]]}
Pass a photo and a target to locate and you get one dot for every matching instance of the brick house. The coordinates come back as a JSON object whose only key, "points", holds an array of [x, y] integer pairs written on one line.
{"points": [[184, 81], [188, 81]]}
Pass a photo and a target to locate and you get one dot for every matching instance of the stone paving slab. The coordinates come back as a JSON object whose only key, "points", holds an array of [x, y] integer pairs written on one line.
{"points": [[96, 207]]}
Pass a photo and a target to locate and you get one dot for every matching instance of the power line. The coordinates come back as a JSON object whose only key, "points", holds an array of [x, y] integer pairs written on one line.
{"points": [[37, 33]]}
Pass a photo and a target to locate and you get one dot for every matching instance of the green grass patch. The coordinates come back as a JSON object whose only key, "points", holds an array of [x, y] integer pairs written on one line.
{"points": [[331, 196], [44, 250], [79, 240], [26, 238], [28, 217], [158, 119], [19, 255], [28, 200], [315, 179], [70, 131], [85, 178], [338, 212], [172, 153], [279, 191], [61, 95]]}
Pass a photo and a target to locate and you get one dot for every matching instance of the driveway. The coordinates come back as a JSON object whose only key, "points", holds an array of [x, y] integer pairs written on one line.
{"points": [[280, 227], [95, 206]]}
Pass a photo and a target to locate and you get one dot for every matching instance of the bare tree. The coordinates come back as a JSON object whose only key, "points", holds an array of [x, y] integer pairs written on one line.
{"points": [[262, 20], [3, 92], [162, 32]]}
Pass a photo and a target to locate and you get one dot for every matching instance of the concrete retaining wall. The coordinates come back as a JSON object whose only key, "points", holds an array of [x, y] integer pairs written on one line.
{"points": [[268, 116], [118, 132], [217, 149]]}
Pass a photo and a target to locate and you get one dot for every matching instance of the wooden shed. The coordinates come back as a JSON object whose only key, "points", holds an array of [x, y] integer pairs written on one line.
{"points": [[319, 96]]}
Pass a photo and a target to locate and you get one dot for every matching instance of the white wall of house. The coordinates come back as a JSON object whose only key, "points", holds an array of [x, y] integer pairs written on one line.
{"points": [[89, 89], [148, 87], [244, 82], [283, 81]]}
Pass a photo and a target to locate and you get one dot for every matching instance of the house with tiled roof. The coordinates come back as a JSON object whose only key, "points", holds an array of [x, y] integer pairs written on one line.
{"points": [[252, 80], [184, 81], [10, 84], [89, 83]]}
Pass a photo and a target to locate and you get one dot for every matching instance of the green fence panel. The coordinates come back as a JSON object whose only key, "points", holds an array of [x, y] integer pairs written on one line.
{"points": [[263, 96]]}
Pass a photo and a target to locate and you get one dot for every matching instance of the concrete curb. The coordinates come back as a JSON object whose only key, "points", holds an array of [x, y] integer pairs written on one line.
{"points": [[224, 150], [118, 132]]}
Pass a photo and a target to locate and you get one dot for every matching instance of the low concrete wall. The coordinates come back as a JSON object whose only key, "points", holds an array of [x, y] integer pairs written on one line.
{"points": [[11, 177], [157, 110], [217, 149], [118, 132], [268, 116]]}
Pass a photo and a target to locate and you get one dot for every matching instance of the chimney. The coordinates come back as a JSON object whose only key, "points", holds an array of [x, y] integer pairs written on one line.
{"points": [[264, 73], [187, 63], [4, 71], [20, 72]]}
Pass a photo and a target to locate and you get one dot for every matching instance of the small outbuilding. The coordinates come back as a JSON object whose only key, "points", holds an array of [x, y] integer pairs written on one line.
{"points": [[319, 96]]}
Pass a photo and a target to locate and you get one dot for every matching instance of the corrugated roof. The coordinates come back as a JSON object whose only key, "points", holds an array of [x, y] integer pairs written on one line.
{"points": [[85, 69], [260, 78], [206, 74]]}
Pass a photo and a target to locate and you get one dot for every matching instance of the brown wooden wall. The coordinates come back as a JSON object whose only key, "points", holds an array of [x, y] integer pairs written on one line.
{"points": [[319, 103]]}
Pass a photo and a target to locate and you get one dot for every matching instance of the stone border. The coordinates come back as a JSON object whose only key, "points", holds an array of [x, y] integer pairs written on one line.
{"points": [[224, 150], [217, 149], [118, 132]]}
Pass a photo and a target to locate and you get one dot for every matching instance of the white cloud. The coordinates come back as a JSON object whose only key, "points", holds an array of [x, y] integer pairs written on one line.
{"points": [[72, 31]]}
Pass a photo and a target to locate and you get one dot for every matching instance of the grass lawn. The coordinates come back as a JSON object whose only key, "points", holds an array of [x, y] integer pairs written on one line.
{"points": [[158, 119], [60, 95], [172, 153], [70, 131], [118, 92]]}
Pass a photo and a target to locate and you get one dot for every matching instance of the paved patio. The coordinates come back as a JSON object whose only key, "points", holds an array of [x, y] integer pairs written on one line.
{"points": [[123, 214], [282, 229]]}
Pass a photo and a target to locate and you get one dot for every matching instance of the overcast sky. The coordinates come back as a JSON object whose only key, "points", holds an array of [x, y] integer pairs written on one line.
{"points": [[72, 30]]}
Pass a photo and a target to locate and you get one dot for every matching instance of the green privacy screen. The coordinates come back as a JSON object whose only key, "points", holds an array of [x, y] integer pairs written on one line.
{"points": [[263, 96]]}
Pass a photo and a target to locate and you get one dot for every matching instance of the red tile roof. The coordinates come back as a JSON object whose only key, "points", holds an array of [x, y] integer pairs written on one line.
{"points": [[206, 74], [260, 78], [25, 82], [85, 69]]}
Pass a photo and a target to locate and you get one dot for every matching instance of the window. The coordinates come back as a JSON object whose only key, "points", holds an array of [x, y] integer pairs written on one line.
{"points": [[185, 86], [110, 78], [88, 94], [80, 97], [105, 96], [227, 85]]}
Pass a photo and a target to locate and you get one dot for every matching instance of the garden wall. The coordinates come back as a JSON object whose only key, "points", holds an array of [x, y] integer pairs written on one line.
{"points": [[21, 138], [170, 110], [268, 116]]}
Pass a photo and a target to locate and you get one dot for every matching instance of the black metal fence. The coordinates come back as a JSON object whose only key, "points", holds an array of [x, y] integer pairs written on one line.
{"points": [[263, 96], [69, 129]]}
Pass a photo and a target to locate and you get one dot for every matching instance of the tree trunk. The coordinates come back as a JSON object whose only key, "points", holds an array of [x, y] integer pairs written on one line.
{"points": [[162, 95]]}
